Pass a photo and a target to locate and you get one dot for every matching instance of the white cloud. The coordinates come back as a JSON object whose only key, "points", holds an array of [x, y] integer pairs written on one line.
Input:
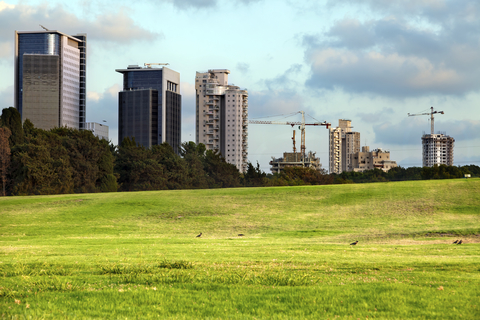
{"points": [[5, 6], [115, 26], [398, 57]]}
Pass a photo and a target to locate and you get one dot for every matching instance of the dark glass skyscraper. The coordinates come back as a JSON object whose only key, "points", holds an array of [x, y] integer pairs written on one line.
{"points": [[150, 106]]}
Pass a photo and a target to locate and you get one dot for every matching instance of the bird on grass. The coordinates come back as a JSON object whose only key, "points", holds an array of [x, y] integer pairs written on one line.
{"points": [[354, 243], [456, 241], [240, 234], [460, 242], [199, 235]]}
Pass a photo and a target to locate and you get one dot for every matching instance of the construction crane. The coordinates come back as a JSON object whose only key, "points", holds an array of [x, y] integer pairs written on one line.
{"points": [[301, 127], [149, 65], [431, 113]]}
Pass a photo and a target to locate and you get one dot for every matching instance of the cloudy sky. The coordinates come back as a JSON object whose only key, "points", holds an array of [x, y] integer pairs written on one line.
{"points": [[370, 61]]}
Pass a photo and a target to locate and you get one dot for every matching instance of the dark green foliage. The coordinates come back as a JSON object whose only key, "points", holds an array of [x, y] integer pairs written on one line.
{"points": [[194, 156], [61, 160], [41, 166], [5, 157], [412, 173], [224, 175], [136, 168], [12, 120], [295, 176], [473, 170], [108, 183], [90, 158], [175, 168], [254, 177]]}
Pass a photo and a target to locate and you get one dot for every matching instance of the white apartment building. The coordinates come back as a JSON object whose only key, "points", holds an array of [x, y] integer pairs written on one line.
{"points": [[222, 116], [343, 142], [437, 149], [99, 130]]}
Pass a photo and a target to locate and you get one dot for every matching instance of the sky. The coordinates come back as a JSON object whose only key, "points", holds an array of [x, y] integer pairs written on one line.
{"points": [[370, 61]]}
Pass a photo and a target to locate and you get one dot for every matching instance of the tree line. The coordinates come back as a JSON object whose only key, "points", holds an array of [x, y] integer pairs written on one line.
{"points": [[64, 160]]}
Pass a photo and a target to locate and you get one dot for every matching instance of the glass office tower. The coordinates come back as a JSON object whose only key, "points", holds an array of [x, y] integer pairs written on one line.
{"points": [[150, 106], [50, 78]]}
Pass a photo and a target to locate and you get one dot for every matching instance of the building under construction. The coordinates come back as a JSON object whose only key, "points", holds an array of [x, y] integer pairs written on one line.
{"points": [[295, 159], [437, 149]]}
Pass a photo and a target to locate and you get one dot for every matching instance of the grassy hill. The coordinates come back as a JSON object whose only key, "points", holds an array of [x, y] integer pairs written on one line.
{"points": [[136, 254]]}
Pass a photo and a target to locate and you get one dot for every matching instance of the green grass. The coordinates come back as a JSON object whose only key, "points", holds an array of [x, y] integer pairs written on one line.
{"points": [[135, 255]]}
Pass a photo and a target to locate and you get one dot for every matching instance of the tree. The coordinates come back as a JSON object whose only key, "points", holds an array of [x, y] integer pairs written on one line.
{"points": [[175, 167], [221, 173], [194, 156], [12, 120], [136, 168], [90, 158], [254, 177], [4, 156], [41, 166]]}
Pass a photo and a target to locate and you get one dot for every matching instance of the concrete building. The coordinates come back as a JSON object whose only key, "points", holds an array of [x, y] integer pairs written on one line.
{"points": [[294, 159], [150, 106], [343, 142], [222, 116], [369, 160], [437, 149], [99, 130], [50, 78]]}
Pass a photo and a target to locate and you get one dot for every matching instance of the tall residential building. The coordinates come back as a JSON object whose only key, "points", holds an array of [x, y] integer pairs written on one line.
{"points": [[50, 78], [342, 143], [150, 106], [437, 149], [222, 116]]}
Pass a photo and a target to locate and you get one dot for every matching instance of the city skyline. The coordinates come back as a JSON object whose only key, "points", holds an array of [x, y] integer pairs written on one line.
{"points": [[371, 63]]}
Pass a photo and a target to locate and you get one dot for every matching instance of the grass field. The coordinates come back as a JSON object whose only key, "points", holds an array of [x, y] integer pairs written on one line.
{"points": [[136, 255]]}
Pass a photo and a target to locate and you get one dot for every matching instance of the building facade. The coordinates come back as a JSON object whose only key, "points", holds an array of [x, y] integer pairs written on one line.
{"points": [[437, 150], [369, 160], [343, 142], [222, 116], [50, 78], [150, 106], [99, 130]]}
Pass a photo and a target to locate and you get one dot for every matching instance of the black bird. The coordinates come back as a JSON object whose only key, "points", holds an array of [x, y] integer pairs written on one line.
{"points": [[240, 234], [354, 243], [460, 242], [456, 241], [199, 235]]}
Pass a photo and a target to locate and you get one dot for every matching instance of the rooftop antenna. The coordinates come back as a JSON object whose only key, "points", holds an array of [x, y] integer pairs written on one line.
{"points": [[44, 27]]}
